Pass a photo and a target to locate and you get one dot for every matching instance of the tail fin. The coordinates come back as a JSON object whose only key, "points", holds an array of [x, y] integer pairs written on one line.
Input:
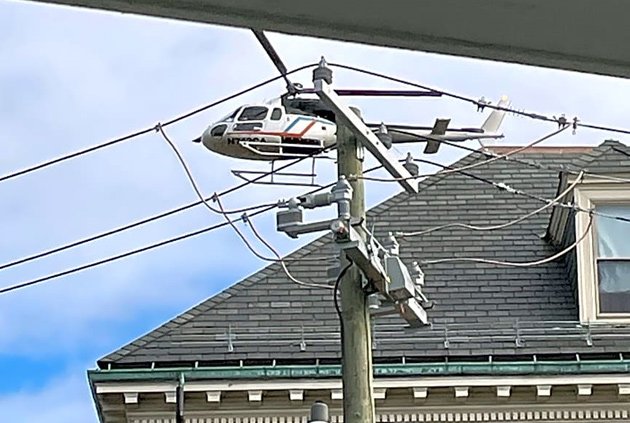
{"points": [[493, 123]]}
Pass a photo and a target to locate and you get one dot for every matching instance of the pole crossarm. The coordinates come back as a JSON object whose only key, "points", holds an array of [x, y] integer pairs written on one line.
{"points": [[345, 116]]}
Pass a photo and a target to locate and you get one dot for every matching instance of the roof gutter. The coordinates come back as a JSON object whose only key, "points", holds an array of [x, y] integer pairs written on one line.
{"points": [[380, 370]]}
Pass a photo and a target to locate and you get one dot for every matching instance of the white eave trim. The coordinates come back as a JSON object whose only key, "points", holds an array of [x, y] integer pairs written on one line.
{"points": [[381, 385]]}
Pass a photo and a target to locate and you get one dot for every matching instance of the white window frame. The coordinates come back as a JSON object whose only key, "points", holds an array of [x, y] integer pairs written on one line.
{"points": [[587, 196]]}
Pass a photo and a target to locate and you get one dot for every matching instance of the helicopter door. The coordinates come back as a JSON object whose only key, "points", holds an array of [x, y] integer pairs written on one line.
{"points": [[252, 120], [276, 120]]}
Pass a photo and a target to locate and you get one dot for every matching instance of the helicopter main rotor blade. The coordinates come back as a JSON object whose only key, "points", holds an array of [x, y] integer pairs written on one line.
{"points": [[273, 55], [379, 93]]}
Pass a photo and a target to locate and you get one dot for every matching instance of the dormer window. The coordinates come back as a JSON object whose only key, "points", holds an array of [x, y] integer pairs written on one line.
{"points": [[612, 257], [603, 257]]}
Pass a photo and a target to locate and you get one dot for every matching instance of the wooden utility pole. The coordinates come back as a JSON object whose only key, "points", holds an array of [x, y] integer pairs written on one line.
{"points": [[356, 341]]}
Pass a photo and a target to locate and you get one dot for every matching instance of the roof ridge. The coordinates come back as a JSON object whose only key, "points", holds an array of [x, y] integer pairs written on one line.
{"points": [[593, 155], [608, 146]]}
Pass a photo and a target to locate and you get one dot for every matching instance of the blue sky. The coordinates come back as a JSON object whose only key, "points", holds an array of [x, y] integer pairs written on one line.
{"points": [[72, 78]]}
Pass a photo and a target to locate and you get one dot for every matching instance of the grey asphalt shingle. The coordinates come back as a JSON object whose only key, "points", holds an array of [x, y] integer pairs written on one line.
{"points": [[485, 308]]}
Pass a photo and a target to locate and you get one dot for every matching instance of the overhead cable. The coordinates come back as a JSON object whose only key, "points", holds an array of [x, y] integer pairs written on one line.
{"points": [[160, 216], [553, 202], [281, 260], [466, 167], [146, 130], [479, 103], [137, 251], [220, 210], [507, 188], [148, 247], [119, 256], [491, 156], [515, 263]]}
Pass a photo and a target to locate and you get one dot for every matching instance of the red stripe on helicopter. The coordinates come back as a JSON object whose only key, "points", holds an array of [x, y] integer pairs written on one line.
{"points": [[280, 134]]}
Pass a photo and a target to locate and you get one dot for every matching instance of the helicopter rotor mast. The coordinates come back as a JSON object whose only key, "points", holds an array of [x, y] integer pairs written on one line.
{"points": [[295, 88]]}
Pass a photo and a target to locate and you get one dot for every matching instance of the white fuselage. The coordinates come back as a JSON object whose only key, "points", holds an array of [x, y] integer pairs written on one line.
{"points": [[268, 133]]}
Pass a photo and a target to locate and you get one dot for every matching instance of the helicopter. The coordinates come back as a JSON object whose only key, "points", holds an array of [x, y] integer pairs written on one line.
{"points": [[292, 126], [272, 131]]}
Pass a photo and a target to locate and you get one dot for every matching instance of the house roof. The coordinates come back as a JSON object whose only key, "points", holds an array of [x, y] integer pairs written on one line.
{"points": [[480, 310]]}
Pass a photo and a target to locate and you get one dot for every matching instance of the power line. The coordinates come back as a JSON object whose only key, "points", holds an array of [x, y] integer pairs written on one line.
{"points": [[504, 187], [184, 166], [119, 256], [156, 245], [515, 263], [136, 251], [146, 130], [508, 156], [161, 216], [282, 261], [466, 167], [482, 104], [553, 202], [222, 212], [118, 230]]}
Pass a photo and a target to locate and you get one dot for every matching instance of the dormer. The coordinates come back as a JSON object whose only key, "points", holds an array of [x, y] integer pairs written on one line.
{"points": [[599, 266]]}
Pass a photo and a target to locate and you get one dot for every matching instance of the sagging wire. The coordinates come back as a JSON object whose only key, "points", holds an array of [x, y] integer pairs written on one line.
{"points": [[216, 198], [518, 264], [281, 260], [276, 260], [507, 188], [552, 203]]}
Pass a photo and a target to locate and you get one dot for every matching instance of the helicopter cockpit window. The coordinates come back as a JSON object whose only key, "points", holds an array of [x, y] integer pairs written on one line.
{"points": [[253, 113], [218, 130], [230, 117], [276, 114]]}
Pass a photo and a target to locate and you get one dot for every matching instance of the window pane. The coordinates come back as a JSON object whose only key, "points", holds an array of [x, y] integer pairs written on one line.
{"points": [[276, 114], [218, 130], [613, 236], [253, 113], [230, 117], [614, 286]]}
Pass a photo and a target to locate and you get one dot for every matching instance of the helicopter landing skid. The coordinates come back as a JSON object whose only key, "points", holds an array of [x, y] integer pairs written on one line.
{"points": [[267, 178]]}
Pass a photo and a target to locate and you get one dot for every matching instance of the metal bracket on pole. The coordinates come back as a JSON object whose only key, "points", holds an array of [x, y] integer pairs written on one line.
{"points": [[412, 312], [295, 229], [353, 245], [366, 136]]}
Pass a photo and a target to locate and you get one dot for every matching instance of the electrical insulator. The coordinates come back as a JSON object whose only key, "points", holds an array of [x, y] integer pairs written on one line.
{"points": [[342, 194], [411, 166], [384, 136], [322, 71], [391, 244]]}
